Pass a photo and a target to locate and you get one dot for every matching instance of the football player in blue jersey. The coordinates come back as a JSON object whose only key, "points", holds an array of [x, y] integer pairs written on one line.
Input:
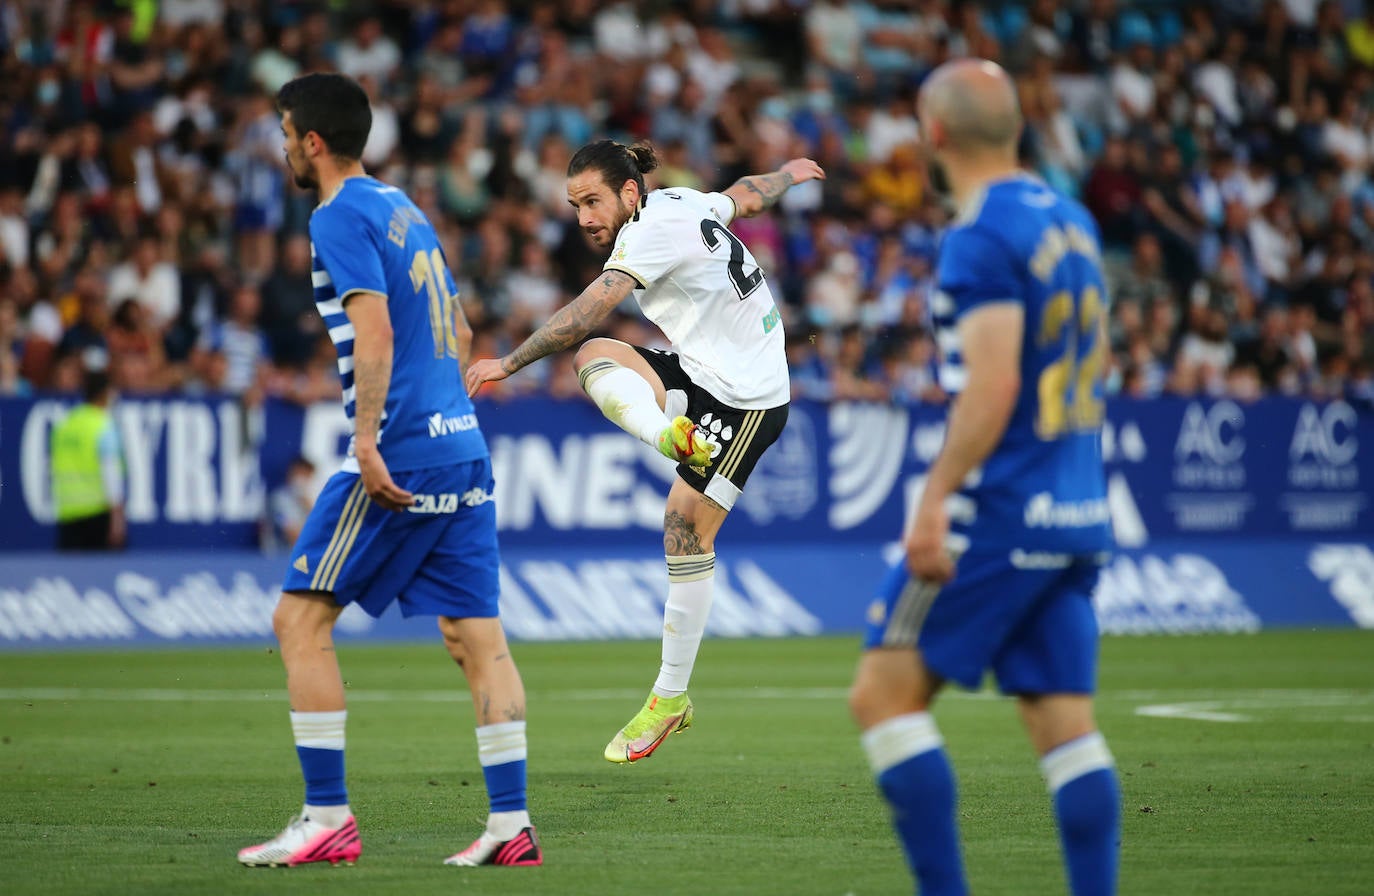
{"points": [[409, 518], [1004, 549]]}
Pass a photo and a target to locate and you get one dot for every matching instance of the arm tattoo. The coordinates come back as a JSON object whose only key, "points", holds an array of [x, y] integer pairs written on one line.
{"points": [[573, 322], [680, 537], [371, 380], [769, 187]]}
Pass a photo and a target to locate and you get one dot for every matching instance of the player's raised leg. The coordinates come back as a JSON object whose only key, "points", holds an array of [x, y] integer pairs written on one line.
{"points": [[690, 523], [1081, 776], [479, 647], [325, 830], [632, 397], [890, 700]]}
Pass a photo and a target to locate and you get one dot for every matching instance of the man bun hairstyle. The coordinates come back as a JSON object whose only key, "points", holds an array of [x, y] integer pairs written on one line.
{"points": [[616, 162], [333, 106]]}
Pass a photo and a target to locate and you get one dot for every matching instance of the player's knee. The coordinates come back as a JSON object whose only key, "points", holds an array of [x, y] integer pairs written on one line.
{"points": [[287, 621], [589, 351], [453, 640], [866, 705]]}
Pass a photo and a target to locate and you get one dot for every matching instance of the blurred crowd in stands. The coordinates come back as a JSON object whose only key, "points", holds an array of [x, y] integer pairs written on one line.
{"points": [[147, 222]]}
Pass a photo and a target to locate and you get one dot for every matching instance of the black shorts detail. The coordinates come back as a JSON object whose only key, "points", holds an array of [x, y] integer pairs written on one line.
{"points": [[742, 435]]}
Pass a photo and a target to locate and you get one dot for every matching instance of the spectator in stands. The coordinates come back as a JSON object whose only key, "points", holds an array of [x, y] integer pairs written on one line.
{"points": [[232, 355], [1244, 135], [87, 467], [290, 504]]}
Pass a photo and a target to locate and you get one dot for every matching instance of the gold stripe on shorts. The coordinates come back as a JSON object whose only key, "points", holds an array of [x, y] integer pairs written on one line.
{"points": [[345, 521], [347, 545], [740, 447]]}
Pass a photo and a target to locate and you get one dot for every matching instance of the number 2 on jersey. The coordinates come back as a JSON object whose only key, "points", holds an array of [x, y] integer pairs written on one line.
{"points": [[744, 284], [427, 272], [1069, 400]]}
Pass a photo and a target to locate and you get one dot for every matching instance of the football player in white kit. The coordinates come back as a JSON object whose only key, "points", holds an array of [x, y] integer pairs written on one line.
{"points": [[714, 403]]}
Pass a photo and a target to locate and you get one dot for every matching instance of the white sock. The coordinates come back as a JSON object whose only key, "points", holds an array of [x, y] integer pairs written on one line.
{"points": [[501, 743], [625, 397], [322, 731], [319, 730], [329, 816], [505, 825], [690, 583], [895, 740], [1070, 761]]}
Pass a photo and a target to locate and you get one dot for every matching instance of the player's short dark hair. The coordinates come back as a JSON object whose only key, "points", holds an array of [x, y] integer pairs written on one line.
{"points": [[331, 105], [94, 385], [616, 162]]}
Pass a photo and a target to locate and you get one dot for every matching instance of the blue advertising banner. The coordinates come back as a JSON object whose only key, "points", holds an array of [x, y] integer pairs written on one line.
{"points": [[584, 594], [199, 471]]}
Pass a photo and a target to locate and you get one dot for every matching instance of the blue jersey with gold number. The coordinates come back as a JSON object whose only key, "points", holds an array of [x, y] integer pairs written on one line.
{"points": [[1043, 486], [371, 237]]}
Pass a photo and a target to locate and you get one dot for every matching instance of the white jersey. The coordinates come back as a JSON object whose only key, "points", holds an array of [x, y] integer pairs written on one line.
{"points": [[705, 291]]}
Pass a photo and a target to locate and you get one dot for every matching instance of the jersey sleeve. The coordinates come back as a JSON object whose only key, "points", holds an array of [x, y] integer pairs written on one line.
{"points": [[646, 250], [977, 269], [347, 248], [722, 206]]}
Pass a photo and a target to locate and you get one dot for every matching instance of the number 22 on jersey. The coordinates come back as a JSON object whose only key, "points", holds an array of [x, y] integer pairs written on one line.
{"points": [[1068, 387], [427, 273]]}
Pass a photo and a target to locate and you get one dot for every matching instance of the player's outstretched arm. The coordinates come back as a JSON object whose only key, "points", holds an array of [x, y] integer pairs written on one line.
{"points": [[569, 325], [756, 192]]}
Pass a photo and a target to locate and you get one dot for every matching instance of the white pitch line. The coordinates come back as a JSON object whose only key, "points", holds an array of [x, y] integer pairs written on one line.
{"points": [[1214, 710], [223, 695]]}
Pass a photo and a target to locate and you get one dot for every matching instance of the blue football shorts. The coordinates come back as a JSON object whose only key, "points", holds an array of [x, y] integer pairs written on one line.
{"points": [[439, 558], [1028, 620]]}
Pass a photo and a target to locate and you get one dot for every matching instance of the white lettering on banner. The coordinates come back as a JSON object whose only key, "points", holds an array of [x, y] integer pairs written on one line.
{"points": [[580, 482], [324, 438], [140, 429], [1043, 512], [1183, 593], [1209, 512], [608, 481], [624, 599], [51, 609], [1209, 450], [194, 605], [1322, 452], [190, 464], [1308, 511], [869, 443], [1349, 568], [199, 489], [34, 449], [242, 495], [1127, 524], [1327, 435], [1125, 444]]}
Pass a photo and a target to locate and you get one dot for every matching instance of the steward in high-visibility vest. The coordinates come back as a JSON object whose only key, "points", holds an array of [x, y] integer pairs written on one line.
{"points": [[87, 469]]}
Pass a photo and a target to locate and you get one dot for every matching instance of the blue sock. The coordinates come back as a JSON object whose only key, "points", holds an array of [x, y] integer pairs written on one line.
{"points": [[320, 746], [1087, 805], [501, 750], [908, 759]]}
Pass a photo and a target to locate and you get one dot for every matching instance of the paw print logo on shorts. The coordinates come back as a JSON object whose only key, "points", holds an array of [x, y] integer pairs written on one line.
{"points": [[719, 432]]}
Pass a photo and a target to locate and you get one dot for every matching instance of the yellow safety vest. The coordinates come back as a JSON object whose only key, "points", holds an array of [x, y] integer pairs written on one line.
{"points": [[78, 489]]}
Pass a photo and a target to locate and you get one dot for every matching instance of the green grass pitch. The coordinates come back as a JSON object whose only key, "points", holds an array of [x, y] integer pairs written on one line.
{"points": [[1247, 767]]}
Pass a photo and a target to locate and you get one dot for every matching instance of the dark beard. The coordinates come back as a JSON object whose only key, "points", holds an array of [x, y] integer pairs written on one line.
{"points": [[939, 182], [305, 181]]}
